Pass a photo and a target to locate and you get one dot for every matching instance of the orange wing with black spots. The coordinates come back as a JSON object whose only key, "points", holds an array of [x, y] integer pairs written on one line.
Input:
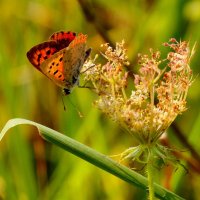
{"points": [[61, 58], [39, 53], [63, 38], [53, 68], [63, 68]]}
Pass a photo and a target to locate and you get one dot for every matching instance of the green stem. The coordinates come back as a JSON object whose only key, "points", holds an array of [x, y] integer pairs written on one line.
{"points": [[150, 177]]}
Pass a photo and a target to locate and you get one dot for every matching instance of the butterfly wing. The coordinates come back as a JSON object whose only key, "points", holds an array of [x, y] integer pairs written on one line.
{"points": [[63, 38], [63, 68], [61, 58], [74, 58], [41, 52], [53, 68]]}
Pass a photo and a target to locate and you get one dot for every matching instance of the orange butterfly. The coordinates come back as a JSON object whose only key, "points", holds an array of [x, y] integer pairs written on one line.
{"points": [[61, 58]]}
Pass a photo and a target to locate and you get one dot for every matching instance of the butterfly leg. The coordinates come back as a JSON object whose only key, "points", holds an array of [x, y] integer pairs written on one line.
{"points": [[85, 85], [87, 54]]}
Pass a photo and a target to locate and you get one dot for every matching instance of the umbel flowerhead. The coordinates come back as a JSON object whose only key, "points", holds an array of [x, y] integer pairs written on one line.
{"points": [[158, 93]]}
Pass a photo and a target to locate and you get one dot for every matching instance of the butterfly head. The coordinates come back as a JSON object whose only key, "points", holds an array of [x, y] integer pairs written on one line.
{"points": [[66, 91]]}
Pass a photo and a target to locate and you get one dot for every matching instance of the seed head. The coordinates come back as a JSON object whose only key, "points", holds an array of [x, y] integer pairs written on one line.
{"points": [[158, 96]]}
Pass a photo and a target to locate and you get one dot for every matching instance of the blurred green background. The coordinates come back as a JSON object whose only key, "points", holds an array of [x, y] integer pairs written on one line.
{"points": [[31, 168]]}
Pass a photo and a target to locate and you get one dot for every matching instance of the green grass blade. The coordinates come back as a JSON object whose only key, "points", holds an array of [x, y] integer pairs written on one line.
{"points": [[92, 156]]}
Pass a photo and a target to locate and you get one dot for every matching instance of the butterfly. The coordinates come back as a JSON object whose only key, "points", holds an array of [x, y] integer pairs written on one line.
{"points": [[61, 58]]}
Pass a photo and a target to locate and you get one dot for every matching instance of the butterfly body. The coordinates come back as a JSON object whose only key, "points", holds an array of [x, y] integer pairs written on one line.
{"points": [[61, 58]]}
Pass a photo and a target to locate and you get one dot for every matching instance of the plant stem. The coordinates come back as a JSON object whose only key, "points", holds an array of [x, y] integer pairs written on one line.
{"points": [[150, 177]]}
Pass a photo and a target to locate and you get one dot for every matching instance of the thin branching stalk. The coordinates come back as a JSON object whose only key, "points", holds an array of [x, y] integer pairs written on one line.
{"points": [[158, 97]]}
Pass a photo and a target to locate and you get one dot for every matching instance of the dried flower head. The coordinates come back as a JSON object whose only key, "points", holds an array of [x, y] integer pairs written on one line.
{"points": [[158, 96]]}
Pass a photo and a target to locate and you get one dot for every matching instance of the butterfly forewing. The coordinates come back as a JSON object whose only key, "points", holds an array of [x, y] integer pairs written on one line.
{"points": [[63, 38], [53, 68], [74, 58], [41, 52]]}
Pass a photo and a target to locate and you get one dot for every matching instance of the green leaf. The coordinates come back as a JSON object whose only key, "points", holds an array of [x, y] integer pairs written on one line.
{"points": [[100, 160]]}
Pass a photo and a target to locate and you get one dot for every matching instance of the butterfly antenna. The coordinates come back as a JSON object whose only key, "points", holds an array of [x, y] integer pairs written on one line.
{"points": [[87, 69], [75, 107], [64, 107]]}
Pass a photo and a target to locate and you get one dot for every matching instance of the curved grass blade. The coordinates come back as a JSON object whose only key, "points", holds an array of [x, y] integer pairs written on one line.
{"points": [[100, 160]]}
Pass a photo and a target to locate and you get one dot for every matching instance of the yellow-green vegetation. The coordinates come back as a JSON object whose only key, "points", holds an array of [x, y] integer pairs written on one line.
{"points": [[30, 167]]}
